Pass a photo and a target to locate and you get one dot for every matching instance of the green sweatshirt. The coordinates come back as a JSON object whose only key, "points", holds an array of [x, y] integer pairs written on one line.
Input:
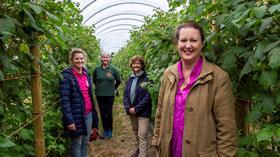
{"points": [[106, 80]]}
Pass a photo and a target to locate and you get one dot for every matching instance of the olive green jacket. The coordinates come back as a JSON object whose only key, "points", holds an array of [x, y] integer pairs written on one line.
{"points": [[210, 126]]}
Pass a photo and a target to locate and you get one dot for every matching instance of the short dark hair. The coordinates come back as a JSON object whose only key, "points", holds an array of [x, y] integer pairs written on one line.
{"points": [[189, 24], [138, 58]]}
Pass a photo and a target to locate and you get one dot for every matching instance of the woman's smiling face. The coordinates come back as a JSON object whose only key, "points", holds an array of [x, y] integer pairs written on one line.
{"points": [[78, 60], [189, 44], [136, 66]]}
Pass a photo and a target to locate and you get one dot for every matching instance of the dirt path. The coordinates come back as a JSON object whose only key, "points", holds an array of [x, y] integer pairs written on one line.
{"points": [[123, 142]]}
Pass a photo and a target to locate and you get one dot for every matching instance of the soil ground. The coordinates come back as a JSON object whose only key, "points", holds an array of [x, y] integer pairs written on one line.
{"points": [[123, 142]]}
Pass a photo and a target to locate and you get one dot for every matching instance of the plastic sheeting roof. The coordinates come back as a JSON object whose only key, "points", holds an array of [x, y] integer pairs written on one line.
{"points": [[113, 19]]}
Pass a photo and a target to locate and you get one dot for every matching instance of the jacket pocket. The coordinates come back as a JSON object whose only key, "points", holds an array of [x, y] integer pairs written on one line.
{"points": [[210, 152]]}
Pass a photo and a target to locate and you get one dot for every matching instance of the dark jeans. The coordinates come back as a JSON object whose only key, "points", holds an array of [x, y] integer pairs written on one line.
{"points": [[105, 104]]}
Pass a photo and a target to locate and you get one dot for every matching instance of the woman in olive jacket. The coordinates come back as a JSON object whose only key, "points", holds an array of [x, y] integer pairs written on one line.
{"points": [[195, 114]]}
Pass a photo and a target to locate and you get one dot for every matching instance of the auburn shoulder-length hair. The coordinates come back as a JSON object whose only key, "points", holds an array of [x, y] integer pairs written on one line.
{"points": [[140, 59]]}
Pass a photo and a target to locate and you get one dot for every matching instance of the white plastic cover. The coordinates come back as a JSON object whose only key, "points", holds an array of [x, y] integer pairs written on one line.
{"points": [[113, 19]]}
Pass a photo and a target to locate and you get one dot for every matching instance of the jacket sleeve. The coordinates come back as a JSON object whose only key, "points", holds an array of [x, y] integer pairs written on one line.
{"points": [[224, 113], [64, 88], [118, 78], [126, 94], [94, 77], [155, 141]]}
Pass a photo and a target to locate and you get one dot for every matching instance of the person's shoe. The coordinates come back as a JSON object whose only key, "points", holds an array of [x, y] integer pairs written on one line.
{"points": [[109, 134], [104, 135], [135, 154]]}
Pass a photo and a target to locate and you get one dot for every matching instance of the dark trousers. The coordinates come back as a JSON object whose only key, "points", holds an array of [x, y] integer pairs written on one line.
{"points": [[105, 104]]}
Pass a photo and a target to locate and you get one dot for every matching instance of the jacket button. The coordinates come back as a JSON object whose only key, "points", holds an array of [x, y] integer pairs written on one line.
{"points": [[188, 141], [189, 109]]}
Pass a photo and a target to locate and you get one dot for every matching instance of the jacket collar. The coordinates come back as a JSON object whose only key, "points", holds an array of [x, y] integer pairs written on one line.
{"points": [[137, 75], [204, 76]]}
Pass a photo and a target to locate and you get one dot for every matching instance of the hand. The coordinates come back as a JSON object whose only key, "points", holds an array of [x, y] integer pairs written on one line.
{"points": [[132, 111], [71, 127]]}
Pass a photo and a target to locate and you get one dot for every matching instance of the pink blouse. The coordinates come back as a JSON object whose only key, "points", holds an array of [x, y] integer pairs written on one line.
{"points": [[84, 85], [179, 108]]}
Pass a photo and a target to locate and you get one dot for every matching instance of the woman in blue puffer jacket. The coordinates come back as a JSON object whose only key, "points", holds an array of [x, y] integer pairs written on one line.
{"points": [[77, 105]]}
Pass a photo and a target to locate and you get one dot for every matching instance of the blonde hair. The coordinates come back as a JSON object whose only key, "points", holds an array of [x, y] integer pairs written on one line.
{"points": [[75, 51]]}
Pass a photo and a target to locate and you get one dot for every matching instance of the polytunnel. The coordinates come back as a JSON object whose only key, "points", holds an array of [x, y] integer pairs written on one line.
{"points": [[227, 77], [113, 20]]}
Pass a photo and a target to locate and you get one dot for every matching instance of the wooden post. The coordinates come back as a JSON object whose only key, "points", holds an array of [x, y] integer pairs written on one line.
{"points": [[36, 91], [242, 107], [213, 23]]}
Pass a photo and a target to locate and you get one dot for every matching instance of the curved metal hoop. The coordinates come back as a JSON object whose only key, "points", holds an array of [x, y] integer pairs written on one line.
{"points": [[115, 30], [120, 19], [122, 24], [124, 13], [119, 3]]}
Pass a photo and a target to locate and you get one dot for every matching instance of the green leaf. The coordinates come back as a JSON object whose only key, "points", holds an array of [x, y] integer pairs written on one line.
{"points": [[253, 116], [165, 57], [199, 10], [278, 132], [37, 9], [29, 15], [246, 69], [29, 149], [1, 76], [271, 46], [61, 147], [259, 11], [7, 25], [210, 37], [266, 102], [247, 140], [241, 152], [37, 28], [228, 20], [274, 58], [265, 135], [265, 24], [6, 61], [259, 53], [278, 98], [52, 59], [6, 143], [229, 62], [2, 112], [267, 79], [23, 47], [26, 134], [273, 8], [252, 154], [245, 28], [243, 16], [52, 16]]}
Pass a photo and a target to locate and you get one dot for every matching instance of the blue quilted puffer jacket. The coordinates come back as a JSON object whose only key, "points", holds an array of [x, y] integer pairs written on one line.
{"points": [[72, 103]]}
